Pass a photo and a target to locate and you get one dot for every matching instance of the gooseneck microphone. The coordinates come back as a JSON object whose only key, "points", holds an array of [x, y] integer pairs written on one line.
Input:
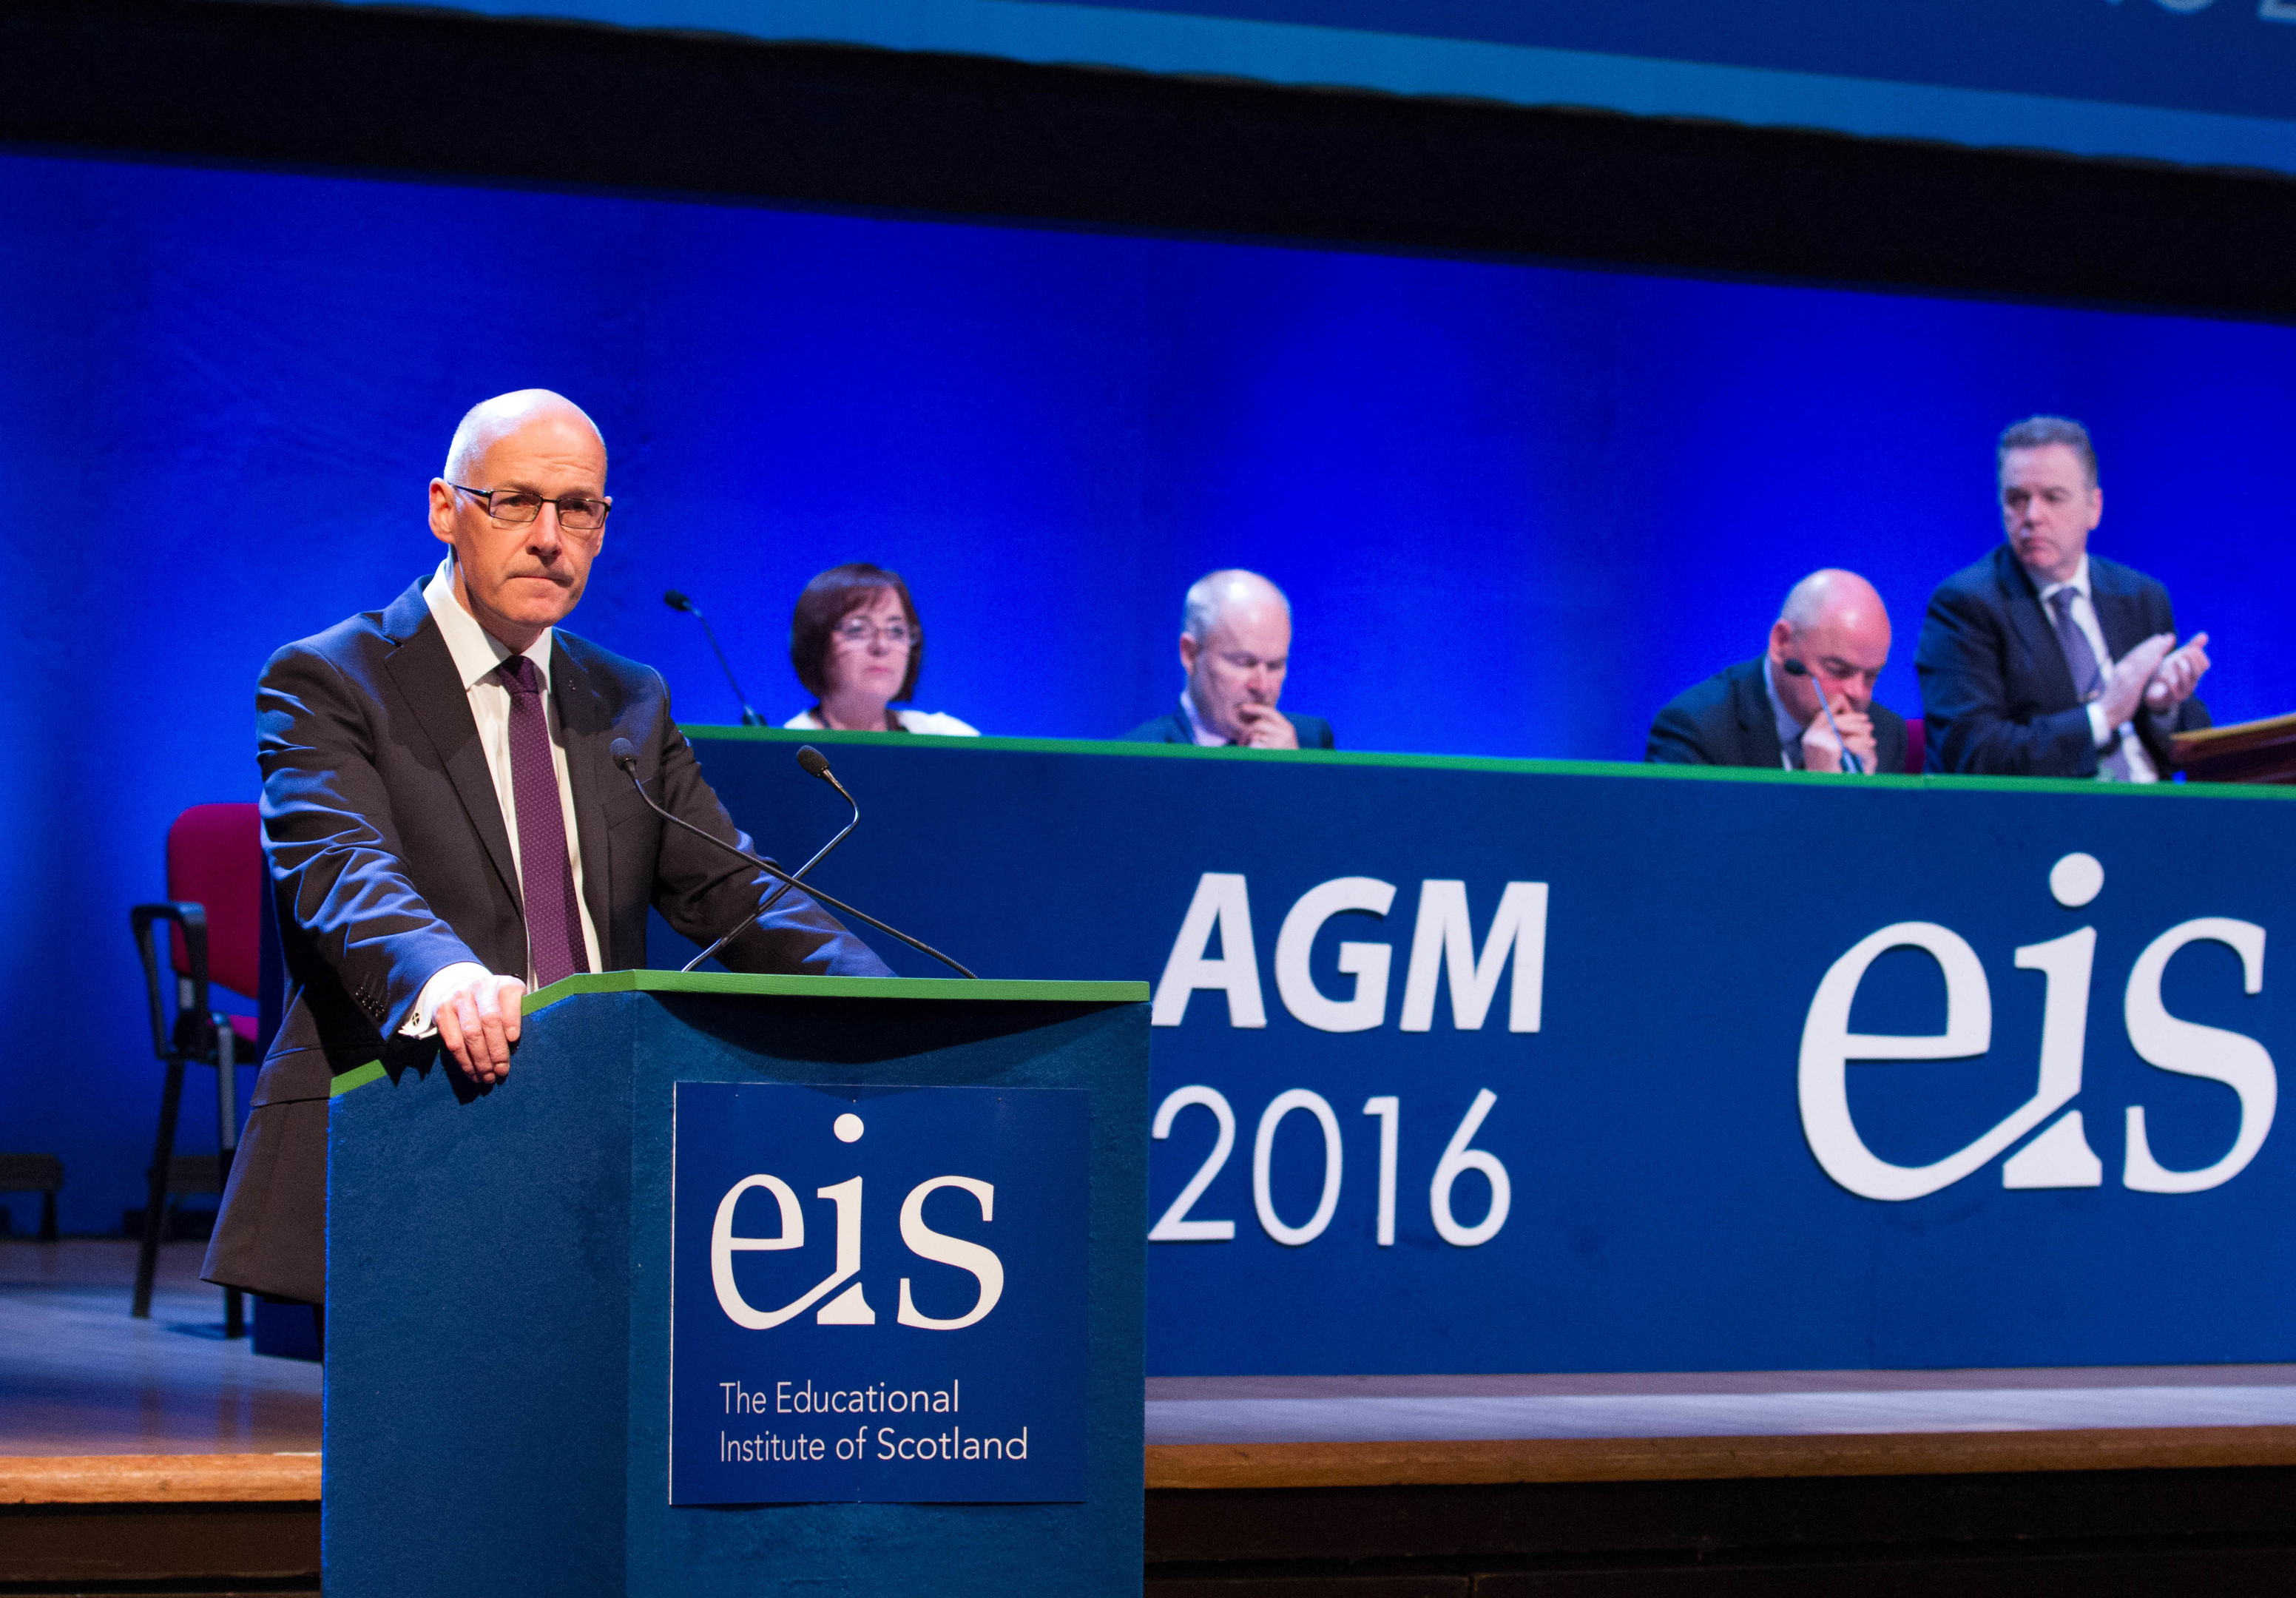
{"points": [[816, 765], [1850, 762], [679, 602], [624, 754]]}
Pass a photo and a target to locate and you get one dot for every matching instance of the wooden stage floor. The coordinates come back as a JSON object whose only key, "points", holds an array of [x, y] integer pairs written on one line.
{"points": [[154, 1456], [79, 1376], [147, 1456]]}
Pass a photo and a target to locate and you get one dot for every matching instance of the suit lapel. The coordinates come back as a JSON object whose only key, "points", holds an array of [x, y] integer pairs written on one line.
{"points": [[424, 670], [2029, 618], [582, 720], [1758, 721]]}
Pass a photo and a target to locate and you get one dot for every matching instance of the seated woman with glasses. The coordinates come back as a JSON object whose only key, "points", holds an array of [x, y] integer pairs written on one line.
{"points": [[858, 646]]}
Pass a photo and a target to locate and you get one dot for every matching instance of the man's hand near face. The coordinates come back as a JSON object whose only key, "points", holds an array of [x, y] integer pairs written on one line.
{"points": [[1265, 727], [2177, 675], [1821, 751], [477, 1018]]}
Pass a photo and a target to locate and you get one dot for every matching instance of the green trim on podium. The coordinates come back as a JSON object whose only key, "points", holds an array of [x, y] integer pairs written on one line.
{"points": [[371, 1072], [837, 988], [823, 988]]}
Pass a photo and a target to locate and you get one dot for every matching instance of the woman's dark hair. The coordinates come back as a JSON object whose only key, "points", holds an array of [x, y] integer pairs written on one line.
{"points": [[828, 600]]}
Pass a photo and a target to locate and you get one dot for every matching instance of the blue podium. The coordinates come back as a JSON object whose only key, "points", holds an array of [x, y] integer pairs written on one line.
{"points": [[746, 1285]]}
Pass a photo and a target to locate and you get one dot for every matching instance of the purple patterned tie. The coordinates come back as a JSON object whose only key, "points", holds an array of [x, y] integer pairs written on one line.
{"points": [[546, 870], [2088, 677]]}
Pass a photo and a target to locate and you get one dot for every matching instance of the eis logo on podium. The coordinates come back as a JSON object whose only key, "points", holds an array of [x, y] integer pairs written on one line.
{"points": [[878, 1294]]}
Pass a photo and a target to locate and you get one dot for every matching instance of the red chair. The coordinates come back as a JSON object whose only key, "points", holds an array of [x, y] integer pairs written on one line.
{"points": [[215, 903], [1917, 745]]}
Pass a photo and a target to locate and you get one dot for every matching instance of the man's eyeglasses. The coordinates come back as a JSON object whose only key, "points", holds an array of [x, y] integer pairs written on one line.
{"points": [[860, 630], [577, 512]]}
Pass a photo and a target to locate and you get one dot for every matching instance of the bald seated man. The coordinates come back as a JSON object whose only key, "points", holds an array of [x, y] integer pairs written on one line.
{"points": [[445, 829], [1763, 714], [1235, 645]]}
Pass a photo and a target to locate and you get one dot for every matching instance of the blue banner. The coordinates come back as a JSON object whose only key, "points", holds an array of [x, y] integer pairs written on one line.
{"points": [[879, 1294], [1493, 1066]]}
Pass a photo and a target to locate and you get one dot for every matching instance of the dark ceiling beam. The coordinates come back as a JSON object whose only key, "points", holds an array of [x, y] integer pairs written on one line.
{"points": [[436, 95]]}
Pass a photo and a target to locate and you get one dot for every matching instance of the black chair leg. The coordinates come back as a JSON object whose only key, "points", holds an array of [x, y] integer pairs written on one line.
{"points": [[235, 1318], [155, 1202], [48, 1217]]}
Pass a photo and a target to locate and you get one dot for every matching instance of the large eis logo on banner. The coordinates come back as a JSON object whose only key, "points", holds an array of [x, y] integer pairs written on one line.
{"points": [[2060, 1156], [786, 1384]]}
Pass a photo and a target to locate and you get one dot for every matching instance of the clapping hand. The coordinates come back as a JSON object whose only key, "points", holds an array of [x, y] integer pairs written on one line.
{"points": [[2177, 675], [2129, 681]]}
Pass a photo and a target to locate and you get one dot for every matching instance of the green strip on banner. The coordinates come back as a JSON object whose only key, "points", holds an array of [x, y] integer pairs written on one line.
{"points": [[1632, 770]]}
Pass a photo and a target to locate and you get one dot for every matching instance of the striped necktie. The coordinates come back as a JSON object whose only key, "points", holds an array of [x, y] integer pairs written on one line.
{"points": [[2088, 678]]}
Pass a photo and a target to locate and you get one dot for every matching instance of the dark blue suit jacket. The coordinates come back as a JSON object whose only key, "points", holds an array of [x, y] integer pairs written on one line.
{"points": [[1172, 727], [390, 860], [1994, 686], [1727, 720]]}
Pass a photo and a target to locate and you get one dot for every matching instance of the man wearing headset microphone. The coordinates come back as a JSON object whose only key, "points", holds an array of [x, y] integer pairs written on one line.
{"points": [[1806, 703]]}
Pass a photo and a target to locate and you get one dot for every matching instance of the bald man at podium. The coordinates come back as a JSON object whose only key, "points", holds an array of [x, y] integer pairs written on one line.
{"points": [[446, 830]]}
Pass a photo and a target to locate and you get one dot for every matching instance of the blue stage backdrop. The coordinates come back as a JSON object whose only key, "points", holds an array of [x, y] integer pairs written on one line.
{"points": [[1517, 506]]}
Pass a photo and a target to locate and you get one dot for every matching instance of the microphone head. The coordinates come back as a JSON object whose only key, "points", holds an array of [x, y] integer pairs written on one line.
{"points": [[624, 754], [816, 763], [1795, 668], [677, 601]]}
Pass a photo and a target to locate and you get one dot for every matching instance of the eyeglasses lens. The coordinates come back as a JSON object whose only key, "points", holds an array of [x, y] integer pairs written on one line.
{"points": [[575, 516]]}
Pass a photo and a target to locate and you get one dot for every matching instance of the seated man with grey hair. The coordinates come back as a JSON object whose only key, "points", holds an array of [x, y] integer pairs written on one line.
{"points": [[1235, 644], [1805, 700]]}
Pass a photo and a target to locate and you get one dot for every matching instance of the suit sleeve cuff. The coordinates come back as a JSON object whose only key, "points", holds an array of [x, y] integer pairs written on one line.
{"points": [[424, 1022]]}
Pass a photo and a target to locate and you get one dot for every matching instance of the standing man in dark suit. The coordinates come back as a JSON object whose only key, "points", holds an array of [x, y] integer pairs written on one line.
{"points": [[2043, 661], [1235, 645], [1762, 713], [445, 828]]}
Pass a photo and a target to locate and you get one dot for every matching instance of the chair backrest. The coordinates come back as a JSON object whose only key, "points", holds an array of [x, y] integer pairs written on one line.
{"points": [[215, 858], [1917, 745]]}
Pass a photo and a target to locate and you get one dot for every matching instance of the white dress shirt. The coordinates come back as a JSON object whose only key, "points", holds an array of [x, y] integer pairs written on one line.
{"points": [[476, 654], [912, 721], [2141, 768]]}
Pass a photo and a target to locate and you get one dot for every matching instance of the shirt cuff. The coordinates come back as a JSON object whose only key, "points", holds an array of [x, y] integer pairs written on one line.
{"points": [[2105, 736], [424, 1022]]}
